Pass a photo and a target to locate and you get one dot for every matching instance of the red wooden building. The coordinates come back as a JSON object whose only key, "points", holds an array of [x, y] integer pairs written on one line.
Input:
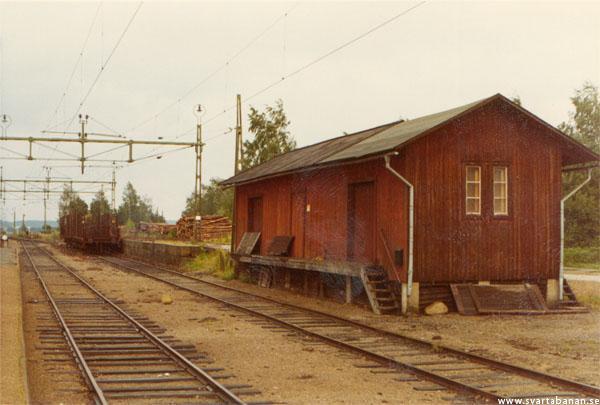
{"points": [[485, 180]]}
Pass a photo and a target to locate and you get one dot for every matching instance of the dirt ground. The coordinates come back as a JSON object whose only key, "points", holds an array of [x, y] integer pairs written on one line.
{"points": [[563, 345], [286, 369], [13, 382]]}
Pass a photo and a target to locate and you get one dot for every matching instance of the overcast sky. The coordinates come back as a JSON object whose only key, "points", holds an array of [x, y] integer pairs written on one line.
{"points": [[436, 56]]}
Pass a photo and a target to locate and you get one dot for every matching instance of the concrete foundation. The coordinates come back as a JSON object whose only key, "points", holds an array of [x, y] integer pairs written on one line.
{"points": [[552, 293], [413, 299], [410, 303], [162, 253]]}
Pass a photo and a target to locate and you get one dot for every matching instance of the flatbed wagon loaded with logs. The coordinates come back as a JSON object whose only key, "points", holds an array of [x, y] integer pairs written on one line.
{"points": [[94, 232]]}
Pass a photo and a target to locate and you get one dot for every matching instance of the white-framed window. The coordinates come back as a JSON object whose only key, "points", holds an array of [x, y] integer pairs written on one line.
{"points": [[500, 190], [473, 190]]}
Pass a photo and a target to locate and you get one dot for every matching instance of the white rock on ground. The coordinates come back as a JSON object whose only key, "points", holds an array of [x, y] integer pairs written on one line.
{"points": [[436, 308]]}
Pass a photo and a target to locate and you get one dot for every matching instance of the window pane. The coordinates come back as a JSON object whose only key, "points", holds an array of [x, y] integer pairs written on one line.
{"points": [[500, 206], [472, 206], [499, 174], [499, 190], [473, 190], [473, 173]]}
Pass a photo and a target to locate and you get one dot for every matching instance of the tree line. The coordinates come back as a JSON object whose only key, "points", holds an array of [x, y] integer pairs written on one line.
{"points": [[272, 137], [133, 209]]}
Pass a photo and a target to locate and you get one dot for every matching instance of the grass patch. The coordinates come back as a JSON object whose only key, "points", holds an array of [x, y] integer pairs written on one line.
{"points": [[224, 240], [590, 301], [216, 263], [588, 257], [587, 293]]}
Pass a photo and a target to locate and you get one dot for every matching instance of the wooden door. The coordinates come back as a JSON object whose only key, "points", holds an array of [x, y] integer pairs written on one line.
{"points": [[361, 222], [298, 222], [255, 214]]}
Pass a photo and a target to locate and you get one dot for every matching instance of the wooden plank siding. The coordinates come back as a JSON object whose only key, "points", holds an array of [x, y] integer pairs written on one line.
{"points": [[326, 224], [449, 246]]}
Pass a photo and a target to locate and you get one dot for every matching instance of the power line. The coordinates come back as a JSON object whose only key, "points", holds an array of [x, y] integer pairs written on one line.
{"points": [[106, 62], [308, 65], [79, 58], [216, 71], [102, 67], [107, 127]]}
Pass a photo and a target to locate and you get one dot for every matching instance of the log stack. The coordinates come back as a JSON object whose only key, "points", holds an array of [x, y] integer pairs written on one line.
{"points": [[157, 227], [211, 227]]}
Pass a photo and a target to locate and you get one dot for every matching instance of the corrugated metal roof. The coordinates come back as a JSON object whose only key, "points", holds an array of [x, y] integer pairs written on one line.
{"points": [[304, 157], [375, 141], [396, 135]]}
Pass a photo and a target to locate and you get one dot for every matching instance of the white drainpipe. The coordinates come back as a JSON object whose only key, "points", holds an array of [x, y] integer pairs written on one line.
{"points": [[411, 222], [561, 274]]}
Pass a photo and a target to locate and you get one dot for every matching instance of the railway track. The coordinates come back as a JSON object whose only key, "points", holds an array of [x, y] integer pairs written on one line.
{"points": [[120, 358], [447, 368]]}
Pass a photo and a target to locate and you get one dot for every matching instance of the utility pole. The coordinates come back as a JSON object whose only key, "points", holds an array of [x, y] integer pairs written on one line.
{"points": [[82, 137], [113, 187], [198, 184], [46, 195], [14, 222], [23, 223], [238, 135], [198, 112], [238, 162]]}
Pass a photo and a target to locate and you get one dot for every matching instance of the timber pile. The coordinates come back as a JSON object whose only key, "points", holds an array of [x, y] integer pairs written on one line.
{"points": [[157, 227], [211, 227]]}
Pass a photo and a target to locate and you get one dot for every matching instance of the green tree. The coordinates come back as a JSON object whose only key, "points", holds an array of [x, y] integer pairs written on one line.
{"points": [[23, 230], [77, 205], [99, 204], [156, 217], [65, 199], [271, 136], [135, 208], [582, 222], [216, 200], [71, 202]]}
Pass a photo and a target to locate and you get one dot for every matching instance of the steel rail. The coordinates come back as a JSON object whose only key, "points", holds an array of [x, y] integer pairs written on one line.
{"points": [[87, 373], [495, 364], [219, 389]]}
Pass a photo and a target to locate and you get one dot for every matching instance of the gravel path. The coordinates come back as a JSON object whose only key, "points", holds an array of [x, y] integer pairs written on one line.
{"points": [[12, 354]]}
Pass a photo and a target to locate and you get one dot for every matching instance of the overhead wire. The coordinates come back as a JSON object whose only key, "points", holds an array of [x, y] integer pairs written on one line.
{"points": [[216, 71], [310, 64], [103, 125], [74, 70], [106, 62], [102, 67]]}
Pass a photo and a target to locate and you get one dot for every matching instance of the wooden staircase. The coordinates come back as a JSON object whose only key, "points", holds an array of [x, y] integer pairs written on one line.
{"points": [[569, 301], [379, 290]]}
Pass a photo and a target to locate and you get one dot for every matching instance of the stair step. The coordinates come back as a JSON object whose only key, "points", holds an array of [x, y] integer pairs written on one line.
{"points": [[387, 307], [377, 282], [377, 276], [386, 299]]}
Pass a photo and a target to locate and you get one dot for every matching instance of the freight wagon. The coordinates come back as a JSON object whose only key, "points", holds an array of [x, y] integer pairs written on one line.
{"points": [[97, 232]]}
